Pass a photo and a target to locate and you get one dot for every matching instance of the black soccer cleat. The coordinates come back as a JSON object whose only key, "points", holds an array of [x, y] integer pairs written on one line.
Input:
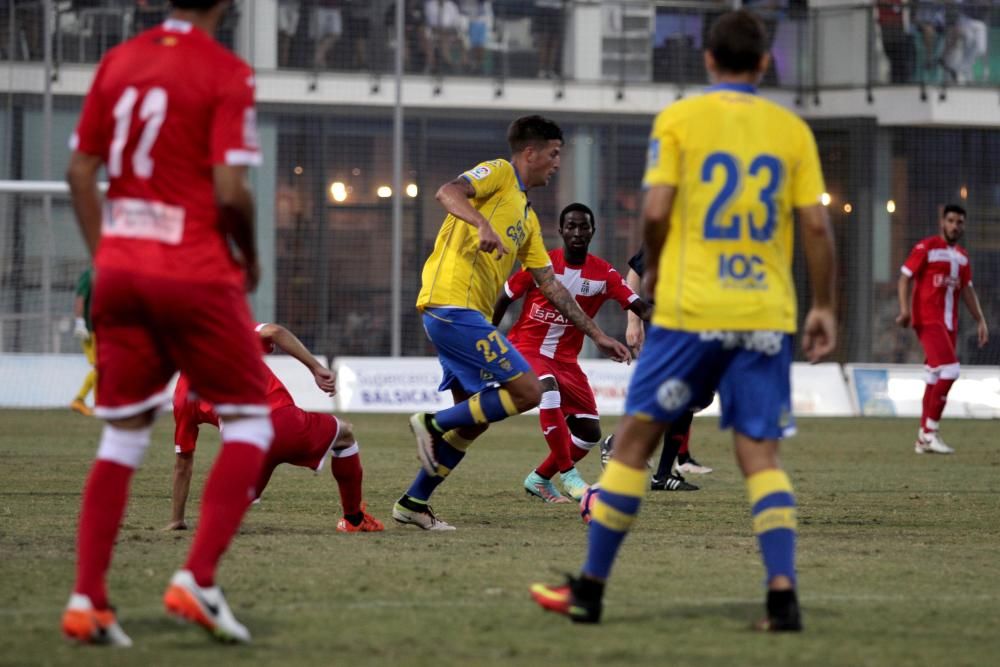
{"points": [[782, 613], [672, 482]]}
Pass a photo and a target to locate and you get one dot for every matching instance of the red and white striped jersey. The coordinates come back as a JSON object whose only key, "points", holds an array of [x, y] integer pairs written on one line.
{"points": [[939, 272], [541, 329], [163, 109]]}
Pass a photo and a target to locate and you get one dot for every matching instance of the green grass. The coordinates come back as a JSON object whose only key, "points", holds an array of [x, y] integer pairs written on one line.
{"points": [[898, 557]]}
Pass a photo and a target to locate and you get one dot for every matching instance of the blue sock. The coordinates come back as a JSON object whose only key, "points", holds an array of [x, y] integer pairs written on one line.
{"points": [[616, 507], [423, 485], [489, 405], [774, 521]]}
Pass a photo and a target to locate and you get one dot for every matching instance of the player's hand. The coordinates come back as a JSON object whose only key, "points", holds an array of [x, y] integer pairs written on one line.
{"points": [[176, 525], [819, 333], [612, 349], [635, 335], [489, 241], [903, 320], [983, 333], [80, 329], [326, 380]]}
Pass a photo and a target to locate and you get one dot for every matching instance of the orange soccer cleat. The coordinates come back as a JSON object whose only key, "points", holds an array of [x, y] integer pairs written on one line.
{"points": [[86, 625], [369, 524]]}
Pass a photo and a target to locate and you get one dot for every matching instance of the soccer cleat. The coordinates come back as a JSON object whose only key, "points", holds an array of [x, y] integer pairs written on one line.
{"points": [[671, 482], [783, 613], [567, 600], [692, 467], [207, 607], [369, 524], [929, 442], [573, 484], [79, 406], [538, 486], [426, 442], [86, 625], [424, 519], [606, 446]]}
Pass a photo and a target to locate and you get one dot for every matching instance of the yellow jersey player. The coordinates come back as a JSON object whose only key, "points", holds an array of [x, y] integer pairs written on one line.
{"points": [[725, 171], [490, 225]]}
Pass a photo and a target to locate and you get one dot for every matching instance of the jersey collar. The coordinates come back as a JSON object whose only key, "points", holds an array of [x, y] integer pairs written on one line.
{"points": [[519, 183], [177, 25], [747, 88]]}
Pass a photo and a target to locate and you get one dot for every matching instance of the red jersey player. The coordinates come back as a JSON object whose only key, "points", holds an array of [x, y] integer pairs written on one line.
{"points": [[176, 140], [300, 438], [551, 344], [940, 269]]}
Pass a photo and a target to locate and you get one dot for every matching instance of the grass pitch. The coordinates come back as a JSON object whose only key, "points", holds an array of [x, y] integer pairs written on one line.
{"points": [[897, 559]]}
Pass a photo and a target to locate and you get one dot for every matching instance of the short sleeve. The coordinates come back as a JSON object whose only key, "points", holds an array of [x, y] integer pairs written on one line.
{"points": [[488, 177], [83, 283], [267, 347], [916, 260], [807, 176], [619, 290], [234, 122], [965, 274], [518, 285], [532, 252], [663, 155], [90, 136], [638, 261]]}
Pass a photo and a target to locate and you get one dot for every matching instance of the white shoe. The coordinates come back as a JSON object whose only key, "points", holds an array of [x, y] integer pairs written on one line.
{"points": [[425, 520], [207, 607], [930, 442], [692, 467], [86, 625]]}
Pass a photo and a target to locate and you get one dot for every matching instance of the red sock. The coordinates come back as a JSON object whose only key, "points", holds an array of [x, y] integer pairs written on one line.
{"points": [[104, 500], [939, 398], [926, 405], [558, 438], [684, 442], [576, 452], [348, 473], [230, 487]]}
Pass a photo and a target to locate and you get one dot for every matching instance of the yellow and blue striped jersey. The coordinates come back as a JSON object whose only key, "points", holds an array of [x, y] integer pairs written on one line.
{"points": [[740, 164], [457, 274]]}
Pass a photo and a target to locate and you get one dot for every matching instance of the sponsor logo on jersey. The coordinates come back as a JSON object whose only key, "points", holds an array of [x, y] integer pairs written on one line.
{"points": [[740, 271], [546, 316], [516, 233], [479, 173]]}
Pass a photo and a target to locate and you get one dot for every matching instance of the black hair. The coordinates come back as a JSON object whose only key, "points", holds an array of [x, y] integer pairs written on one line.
{"points": [[953, 208], [577, 206], [202, 5], [738, 40], [532, 131]]}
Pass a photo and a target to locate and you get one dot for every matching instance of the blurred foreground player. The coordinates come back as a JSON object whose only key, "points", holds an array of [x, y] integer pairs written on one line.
{"points": [[176, 140], [940, 271], [83, 330], [551, 345], [300, 438], [724, 172]]}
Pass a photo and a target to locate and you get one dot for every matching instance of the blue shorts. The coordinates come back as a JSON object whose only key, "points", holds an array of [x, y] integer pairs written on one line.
{"points": [[750, 369], [472, 352]]}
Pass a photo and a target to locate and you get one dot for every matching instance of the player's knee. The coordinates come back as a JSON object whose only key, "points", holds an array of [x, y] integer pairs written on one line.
{"points": [[526, 393], [548, 384], [586, 432], [345, 434], [124, 446]]}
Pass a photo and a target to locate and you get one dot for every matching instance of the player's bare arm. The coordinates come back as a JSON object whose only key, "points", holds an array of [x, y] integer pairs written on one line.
{"points": [[236, 216], [454, 197], [971, 300], [564, 302], [288, 342], [500, 308], [183, 470], [635, 332], [819, 332], [903, 292], [82, 178], [656, 208]]}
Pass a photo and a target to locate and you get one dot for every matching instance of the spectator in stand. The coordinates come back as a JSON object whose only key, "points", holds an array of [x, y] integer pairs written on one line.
{"points": [[894, 24], [357, 20], [414, 27], [480, 16], [444, 21], [288, 25], [549, 26], [930, 20], [326, 25], [965, 41]]}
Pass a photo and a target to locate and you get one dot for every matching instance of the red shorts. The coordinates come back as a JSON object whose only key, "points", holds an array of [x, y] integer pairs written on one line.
{"points": [[576, 396], [301, 438], [938, 344], [188, 415], [148, 327]]}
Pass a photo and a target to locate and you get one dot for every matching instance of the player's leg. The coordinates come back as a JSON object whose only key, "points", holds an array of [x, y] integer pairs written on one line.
{"points": [[345, 466], [665, 479], [213, 343], [481, 360], [134, 378], [686, 463], [413, 506], [755, 393], [557, 436], [79, 403], [579, 408], [944, 369]]}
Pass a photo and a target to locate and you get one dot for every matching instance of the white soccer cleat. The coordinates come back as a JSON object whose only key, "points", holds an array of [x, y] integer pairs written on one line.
{"points": [[207, 607], [424, 520], [930, 442], [692, 467], [86, 625]]}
